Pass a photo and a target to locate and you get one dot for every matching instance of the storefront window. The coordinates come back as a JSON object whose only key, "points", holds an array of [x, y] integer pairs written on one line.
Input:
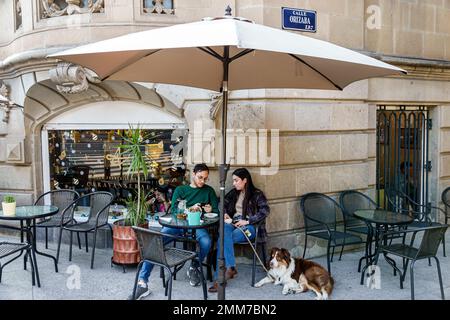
{"points": [[89, 160]]}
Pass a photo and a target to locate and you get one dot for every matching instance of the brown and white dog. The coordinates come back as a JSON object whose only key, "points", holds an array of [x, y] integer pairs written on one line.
{"points": [[297, 275]]}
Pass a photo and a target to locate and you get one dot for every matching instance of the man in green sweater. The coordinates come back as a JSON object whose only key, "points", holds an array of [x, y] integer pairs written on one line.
{"points": [[198, 192]]}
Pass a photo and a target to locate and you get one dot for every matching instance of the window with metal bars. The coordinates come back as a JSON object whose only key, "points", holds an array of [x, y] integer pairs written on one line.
{"points": [[402, 155]]}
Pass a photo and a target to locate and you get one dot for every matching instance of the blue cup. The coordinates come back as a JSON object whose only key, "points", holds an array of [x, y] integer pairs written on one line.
{"points": [[193, 218]]}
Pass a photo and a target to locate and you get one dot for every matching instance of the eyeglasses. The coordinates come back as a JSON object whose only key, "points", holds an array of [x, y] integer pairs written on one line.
{"points": [[201, 178]]}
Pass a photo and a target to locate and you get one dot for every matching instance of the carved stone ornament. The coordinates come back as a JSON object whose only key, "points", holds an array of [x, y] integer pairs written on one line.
{"points": [[55, 8], [4, 92], [72, 78], [158, 8], [18, 7], [15, 152]]}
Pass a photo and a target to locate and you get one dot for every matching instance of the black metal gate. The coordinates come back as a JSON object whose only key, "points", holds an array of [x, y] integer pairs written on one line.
{"points": [[402, 153]]}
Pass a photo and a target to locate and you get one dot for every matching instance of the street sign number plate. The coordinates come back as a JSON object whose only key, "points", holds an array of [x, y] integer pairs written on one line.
{"points": [[299, 19]]}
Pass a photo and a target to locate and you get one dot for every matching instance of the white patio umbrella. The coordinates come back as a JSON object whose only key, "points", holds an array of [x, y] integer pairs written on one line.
{"points": [[226, 53]]}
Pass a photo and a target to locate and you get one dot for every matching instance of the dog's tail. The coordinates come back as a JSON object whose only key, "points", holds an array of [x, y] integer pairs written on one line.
{"points": [[329, 286]]}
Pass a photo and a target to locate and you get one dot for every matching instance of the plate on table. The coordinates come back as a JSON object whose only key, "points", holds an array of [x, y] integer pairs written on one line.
{"points": [[210, 215]]}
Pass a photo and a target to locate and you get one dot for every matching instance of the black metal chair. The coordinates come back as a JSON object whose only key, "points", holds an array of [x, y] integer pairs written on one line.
{"points": [[98, 217], [257, 243], [321, 216], [350, 201], [446, 201], [401, 203], [10, 248], [152, 249], [432, 237], [61, 198]]}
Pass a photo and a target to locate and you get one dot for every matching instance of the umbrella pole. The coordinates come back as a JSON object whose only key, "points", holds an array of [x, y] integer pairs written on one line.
{"points": [[223, 169]]}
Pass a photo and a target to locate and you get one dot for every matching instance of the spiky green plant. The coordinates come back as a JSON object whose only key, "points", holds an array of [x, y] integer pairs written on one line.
{"points": [[136, 216], [9, 199], [132, 149]]}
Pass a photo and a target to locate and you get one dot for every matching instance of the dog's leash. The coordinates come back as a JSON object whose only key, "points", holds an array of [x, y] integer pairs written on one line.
{"points": [[254, 251]]}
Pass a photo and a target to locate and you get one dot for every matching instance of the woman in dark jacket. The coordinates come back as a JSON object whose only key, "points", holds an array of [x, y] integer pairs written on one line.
{"points": [[245, 206]]}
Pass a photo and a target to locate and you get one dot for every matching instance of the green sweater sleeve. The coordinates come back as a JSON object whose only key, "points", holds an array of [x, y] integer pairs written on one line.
{"points": [[175, 197], [214, 202]]}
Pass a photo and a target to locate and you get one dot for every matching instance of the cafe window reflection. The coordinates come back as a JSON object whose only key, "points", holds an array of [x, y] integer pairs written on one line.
{"points": [[86, 160]]}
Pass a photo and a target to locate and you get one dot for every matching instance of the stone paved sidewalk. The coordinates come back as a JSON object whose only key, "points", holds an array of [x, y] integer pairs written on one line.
{"points": [[105, 282]]}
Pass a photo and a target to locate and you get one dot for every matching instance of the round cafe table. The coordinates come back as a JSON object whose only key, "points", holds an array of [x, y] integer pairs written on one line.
{"points": [[29, 214], [172, 221], [382, 219]]}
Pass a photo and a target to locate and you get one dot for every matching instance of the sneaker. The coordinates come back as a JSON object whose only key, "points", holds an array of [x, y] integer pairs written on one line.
{"points": [[141, 292], [194, 278]]}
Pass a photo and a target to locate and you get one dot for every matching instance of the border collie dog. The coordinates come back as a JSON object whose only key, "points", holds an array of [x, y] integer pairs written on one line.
{"points": [[297, 275]]}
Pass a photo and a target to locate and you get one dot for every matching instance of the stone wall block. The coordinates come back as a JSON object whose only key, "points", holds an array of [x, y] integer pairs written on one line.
{"points": [[445, 166], [16, 178], [434, 46], [423, 17], [379, 40], [313, 116], [316, 179], [35, 109], [355, 176], [412, 90], [372, 145], [349, 117], [354, 146], [445, 140], [353, 37], [309, 149], [280, 185], [445, 116], [278, 218], [409, 43]]}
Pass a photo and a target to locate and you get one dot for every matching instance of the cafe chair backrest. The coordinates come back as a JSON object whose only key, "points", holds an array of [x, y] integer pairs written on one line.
{"points": [[352, 200], [446, 200], [99, 203], [431, 240], [60, 198], [151, 245], [320, 207]]}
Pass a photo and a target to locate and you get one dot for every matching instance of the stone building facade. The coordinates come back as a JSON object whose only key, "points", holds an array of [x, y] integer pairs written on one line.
{"points": [[327, 139]]}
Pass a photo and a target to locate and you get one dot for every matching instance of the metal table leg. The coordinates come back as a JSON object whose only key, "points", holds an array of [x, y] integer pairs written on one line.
{"points": [[42, 253]]}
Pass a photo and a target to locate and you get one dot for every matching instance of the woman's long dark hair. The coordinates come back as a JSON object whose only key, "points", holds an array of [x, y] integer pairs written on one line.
{"points": [[249, 187]]}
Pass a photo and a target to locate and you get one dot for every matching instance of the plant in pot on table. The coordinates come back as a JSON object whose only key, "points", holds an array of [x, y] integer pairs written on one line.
{"points": [[125, 246], [9, 206]]}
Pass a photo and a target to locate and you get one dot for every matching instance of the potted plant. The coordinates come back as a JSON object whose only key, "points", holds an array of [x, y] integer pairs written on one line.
{"points": [[125, 246], [9, 206]]}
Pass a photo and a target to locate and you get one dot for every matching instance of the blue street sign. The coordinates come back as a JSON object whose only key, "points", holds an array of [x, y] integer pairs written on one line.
{"points": [[299, 19]]}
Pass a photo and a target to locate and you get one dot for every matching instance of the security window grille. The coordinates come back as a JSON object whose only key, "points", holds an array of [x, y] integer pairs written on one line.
{"points": [[402, 153]]}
